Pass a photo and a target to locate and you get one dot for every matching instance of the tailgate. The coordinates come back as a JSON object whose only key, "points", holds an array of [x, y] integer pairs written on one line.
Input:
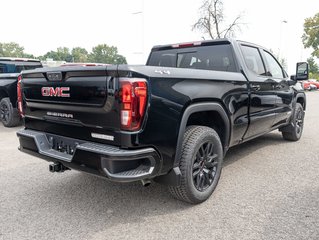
{"points": [[71, 101], [84, 87]]}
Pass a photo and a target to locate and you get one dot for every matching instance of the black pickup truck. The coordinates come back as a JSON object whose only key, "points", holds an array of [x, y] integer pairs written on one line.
{"points": [[10, 69], [171, 121]]}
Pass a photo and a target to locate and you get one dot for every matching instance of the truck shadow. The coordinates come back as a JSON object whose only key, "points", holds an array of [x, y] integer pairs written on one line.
{"points": [[243, 150], [96, 206]]}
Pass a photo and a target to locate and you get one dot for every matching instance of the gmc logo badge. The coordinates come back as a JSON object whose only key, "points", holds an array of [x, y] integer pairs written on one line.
{"points": [[55, 92]]}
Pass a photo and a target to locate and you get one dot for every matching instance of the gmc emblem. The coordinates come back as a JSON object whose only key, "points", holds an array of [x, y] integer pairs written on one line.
{"points": [[55, 92]]}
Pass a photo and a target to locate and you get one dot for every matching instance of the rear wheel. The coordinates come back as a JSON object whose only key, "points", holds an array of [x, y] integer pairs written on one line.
{"points": [[294, 133], [200, 165], [9, 115]]}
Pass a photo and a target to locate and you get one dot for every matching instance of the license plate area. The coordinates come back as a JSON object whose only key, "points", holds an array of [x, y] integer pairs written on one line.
{"points": [[63, 144]]}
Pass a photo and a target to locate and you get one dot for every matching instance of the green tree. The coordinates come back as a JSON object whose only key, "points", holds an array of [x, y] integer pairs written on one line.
{"points": [[103, 53], [310, 36], [313, 68], [61, 54], [79, 54], [52, 54], [11, 50], [27, 55], [64, 54], [1, 50]]}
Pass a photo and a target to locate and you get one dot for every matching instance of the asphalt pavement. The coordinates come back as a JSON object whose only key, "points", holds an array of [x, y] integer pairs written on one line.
{"points": [[269, 189]]}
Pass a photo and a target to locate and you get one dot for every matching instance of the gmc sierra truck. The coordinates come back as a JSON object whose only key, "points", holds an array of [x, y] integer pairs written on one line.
{"points": [[171, 121], [10, 69]]}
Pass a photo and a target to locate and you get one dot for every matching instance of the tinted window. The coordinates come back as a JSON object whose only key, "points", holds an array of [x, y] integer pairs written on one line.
{"points": [[275, 69], [7, 68], [216, 57], [27, 67], [17, 68], [253, 60]]}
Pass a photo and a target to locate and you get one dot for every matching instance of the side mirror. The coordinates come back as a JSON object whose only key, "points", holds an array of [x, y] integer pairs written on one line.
{"points": [[292, 81], [302, 72]]}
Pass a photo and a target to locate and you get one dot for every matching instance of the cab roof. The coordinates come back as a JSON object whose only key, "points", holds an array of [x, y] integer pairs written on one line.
{"points": [[12, 59]]}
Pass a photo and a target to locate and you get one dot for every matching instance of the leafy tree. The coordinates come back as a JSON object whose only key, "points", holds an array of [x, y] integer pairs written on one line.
{"points": [[212, 20], [310, 37], [11, 50], [27, 55], [52, 54], [313, 68], [64, 54], [1, 50], [103, 53], [79, 54], [61, 54]]}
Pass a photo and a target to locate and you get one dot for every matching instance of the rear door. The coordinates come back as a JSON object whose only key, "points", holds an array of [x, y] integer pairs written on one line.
{"points": [[262, 94]]}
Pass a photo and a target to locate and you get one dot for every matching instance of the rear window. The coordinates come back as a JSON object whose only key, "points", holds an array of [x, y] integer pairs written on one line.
{"points": [[17, 67], [215, 57]]}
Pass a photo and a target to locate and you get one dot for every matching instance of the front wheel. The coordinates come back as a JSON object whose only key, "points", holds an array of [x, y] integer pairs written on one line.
{"points": [[200, 165], [294, 133]]}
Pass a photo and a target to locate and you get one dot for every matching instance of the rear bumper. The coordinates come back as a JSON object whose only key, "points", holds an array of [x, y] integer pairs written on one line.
{"points": [[122, 165]]}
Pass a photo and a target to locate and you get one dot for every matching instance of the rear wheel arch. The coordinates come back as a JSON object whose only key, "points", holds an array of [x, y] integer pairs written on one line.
{"points": [[3, 94], [206, 114]]}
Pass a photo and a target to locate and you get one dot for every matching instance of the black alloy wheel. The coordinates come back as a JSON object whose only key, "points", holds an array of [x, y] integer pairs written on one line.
{"points": [[299, 120], [200, 164], [8, 115], [205, 166], [4, 113], [294, 132]]}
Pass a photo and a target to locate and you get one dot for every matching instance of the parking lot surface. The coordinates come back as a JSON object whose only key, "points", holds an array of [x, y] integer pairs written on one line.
{"points": [[269, 189]]}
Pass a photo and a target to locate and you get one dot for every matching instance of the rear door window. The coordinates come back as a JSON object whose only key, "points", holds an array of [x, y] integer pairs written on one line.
{"points": [[253, 60], [215, 57]]}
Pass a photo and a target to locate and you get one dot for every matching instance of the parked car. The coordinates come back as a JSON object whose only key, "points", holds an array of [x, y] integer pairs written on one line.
{"points": [[10, 69], [310, 85], [314, 82], [171, 121]]}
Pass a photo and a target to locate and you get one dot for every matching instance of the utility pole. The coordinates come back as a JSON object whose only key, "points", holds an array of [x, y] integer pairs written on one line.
{"points": [[281, 36], [141, 53]]}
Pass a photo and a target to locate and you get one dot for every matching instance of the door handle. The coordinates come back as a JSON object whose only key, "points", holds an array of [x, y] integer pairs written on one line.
{"points": [[255, 87]]}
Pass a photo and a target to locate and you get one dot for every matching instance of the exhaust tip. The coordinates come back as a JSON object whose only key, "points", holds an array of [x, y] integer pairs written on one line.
{"points": [[146, 182]]}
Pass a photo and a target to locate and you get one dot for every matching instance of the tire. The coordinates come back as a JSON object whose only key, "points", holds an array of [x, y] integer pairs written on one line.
{"points": [[9, 116], [294, 133], [200, 165]]}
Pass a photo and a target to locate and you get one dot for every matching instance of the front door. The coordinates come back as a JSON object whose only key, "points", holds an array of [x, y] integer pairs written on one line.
{"points": [[284, 93], [262, 93]]}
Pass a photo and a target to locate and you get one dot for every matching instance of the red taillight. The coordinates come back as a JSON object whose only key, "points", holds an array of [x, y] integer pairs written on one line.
{"points": [[133, 95], [19, 96]]}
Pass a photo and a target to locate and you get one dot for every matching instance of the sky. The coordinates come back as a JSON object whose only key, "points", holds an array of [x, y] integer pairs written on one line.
{"points": [[134, 26]]}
